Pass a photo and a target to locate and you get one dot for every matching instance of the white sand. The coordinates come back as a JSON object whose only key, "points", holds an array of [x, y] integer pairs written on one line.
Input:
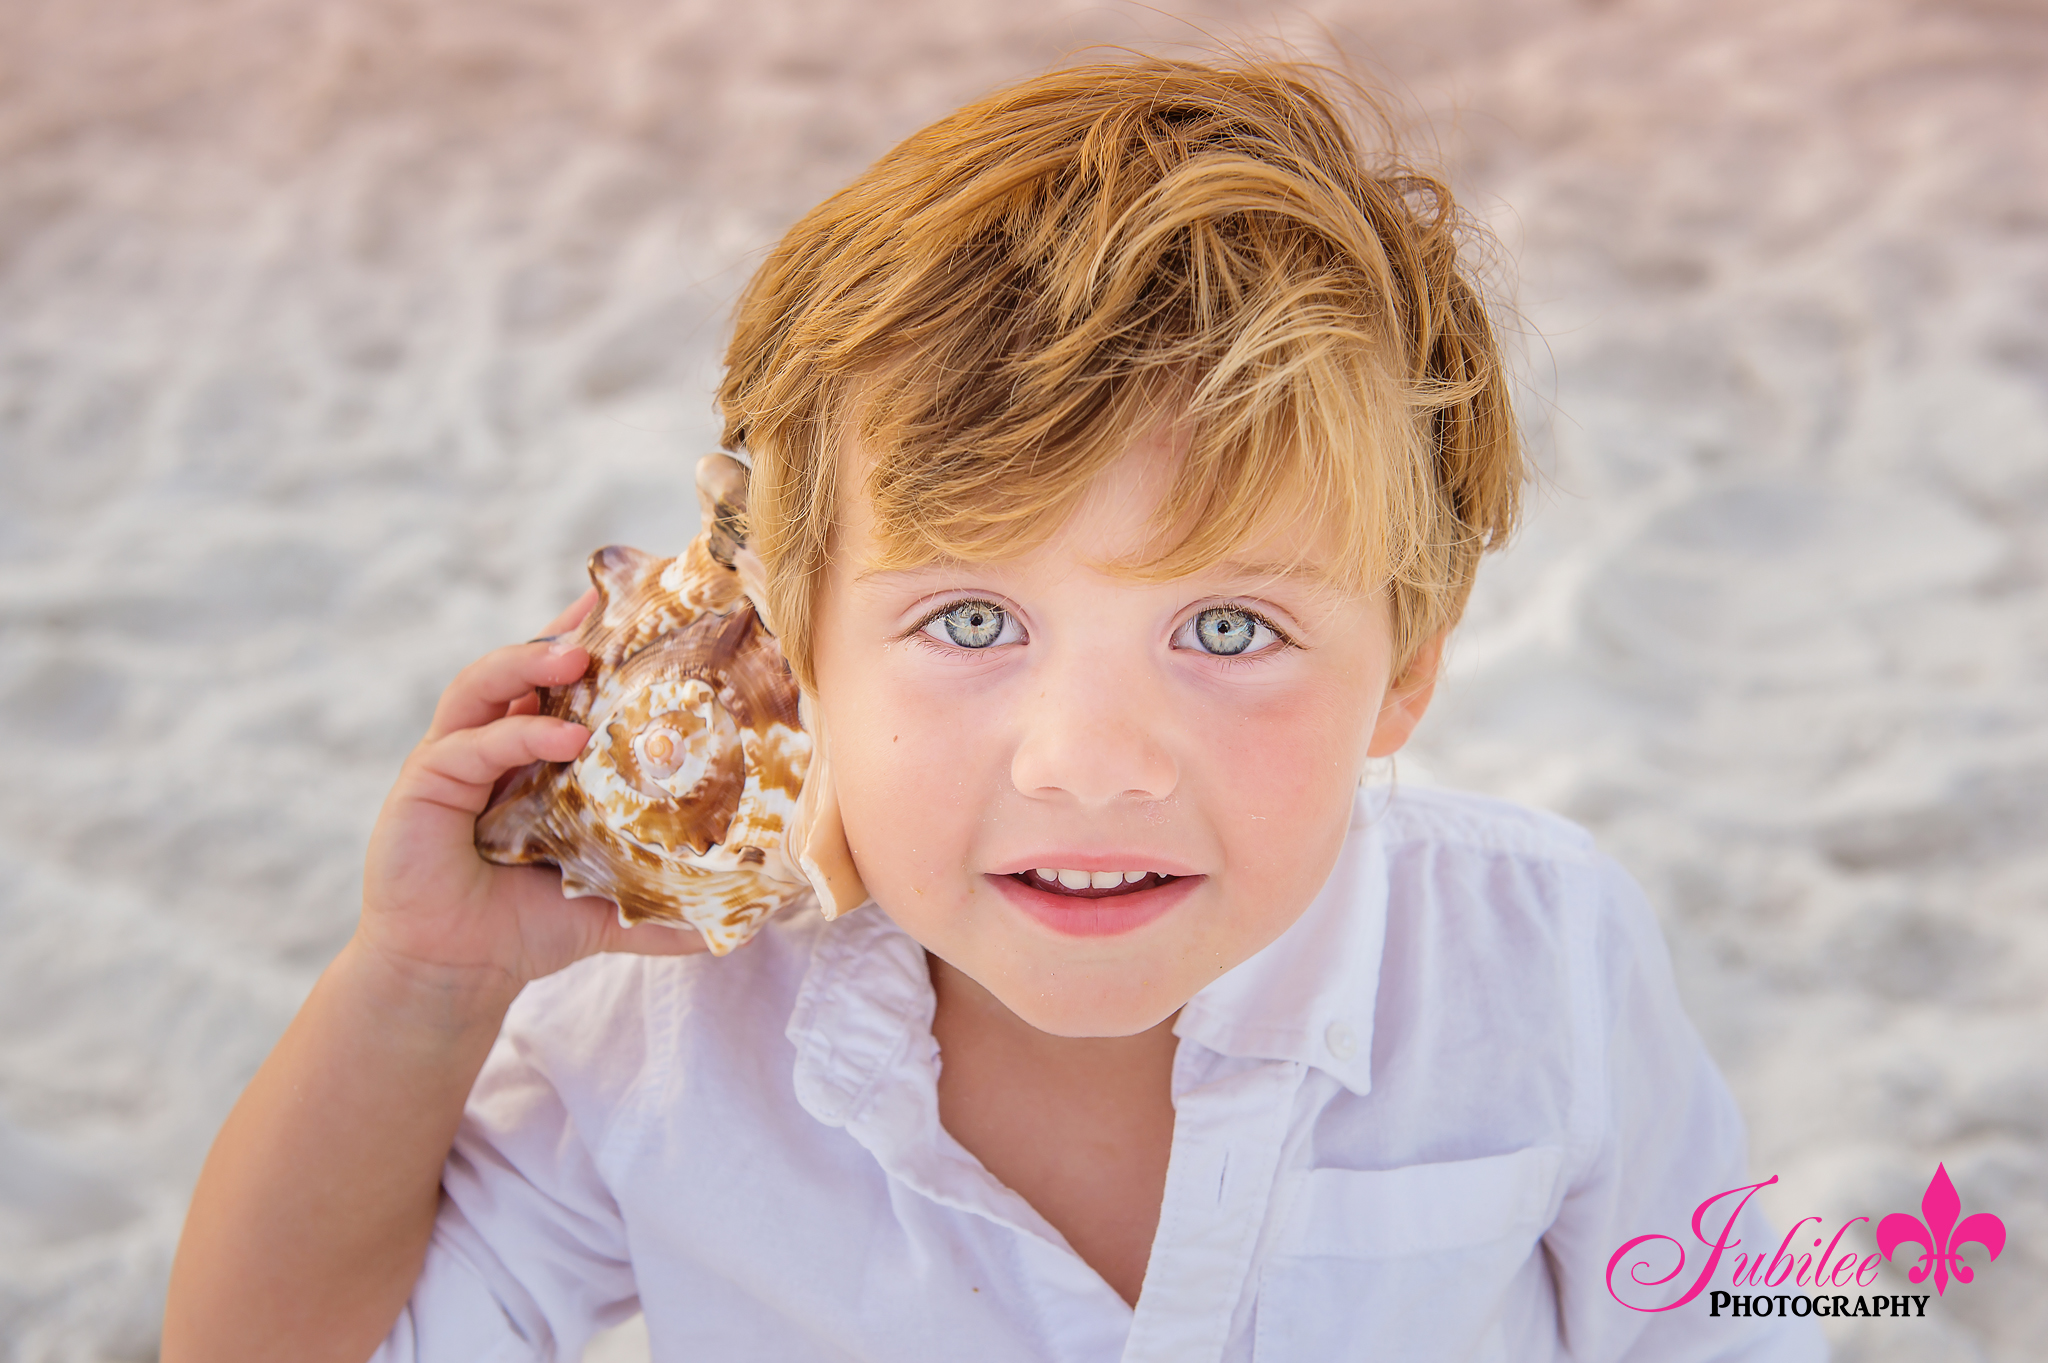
{"points": [[332, 337]]}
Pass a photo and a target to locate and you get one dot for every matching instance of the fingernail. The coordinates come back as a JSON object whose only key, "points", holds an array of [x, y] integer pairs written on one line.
{"points": [[559, 645]]}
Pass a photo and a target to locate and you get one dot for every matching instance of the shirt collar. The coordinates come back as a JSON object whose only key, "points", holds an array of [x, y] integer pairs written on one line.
{"points": [[1309, 995], [864, 1008]]}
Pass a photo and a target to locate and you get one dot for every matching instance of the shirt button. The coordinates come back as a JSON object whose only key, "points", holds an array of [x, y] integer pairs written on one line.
{"points": [[1342, 1043]]}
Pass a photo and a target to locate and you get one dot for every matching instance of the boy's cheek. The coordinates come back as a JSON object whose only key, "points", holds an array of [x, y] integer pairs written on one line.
{"points": [[1284, 755], [1278, 798], [924, 747], [908, 785], [920, 767]]}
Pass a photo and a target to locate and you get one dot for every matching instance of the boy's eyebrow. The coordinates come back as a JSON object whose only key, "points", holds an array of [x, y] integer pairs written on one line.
{"points": [[942, 564], [1299, 570], [1296, 571]]}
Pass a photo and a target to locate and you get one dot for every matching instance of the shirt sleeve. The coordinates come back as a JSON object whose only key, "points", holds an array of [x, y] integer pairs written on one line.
{"points": [[1669, 1138], [529, 1256]]}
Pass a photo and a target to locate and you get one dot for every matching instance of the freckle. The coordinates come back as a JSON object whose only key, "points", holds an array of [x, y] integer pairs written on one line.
{"points": [[892, 739]]}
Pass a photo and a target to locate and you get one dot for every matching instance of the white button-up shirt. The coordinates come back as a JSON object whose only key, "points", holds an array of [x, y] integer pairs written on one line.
{"points": [[1416, 1126]]}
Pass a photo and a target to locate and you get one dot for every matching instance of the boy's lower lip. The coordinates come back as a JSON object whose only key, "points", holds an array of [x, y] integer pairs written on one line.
{"points": [[1073, 916]]}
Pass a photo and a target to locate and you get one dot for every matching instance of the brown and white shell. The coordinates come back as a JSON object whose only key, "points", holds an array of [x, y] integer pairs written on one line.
{"points": [[686, 804]]}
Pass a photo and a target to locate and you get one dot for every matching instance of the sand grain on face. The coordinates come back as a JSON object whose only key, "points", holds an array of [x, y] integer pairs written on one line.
{"points": [[332, 339]]}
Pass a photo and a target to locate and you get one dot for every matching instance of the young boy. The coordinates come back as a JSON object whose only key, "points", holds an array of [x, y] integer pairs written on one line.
{"points": [[1122, 448]]}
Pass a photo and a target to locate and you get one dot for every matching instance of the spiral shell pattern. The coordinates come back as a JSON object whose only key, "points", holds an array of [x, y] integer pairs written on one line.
{"points": [[681, 804]]}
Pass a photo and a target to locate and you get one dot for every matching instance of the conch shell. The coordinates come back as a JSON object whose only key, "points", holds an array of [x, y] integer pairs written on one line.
{"points": [[700, 799]]}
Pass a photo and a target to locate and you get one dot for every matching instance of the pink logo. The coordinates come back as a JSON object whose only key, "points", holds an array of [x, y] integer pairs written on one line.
{"points": [[1940, 1234], [1635, 1270]]}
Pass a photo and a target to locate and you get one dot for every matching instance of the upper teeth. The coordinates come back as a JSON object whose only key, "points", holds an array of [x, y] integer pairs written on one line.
{"points": [[1091, 880]]}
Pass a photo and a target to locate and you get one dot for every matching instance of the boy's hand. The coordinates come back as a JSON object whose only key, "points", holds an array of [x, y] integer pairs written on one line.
{"points": [[312, 1216], [431, 905]]}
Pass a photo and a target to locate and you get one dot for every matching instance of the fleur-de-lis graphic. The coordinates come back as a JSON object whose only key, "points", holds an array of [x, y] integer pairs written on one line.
{"points": [[1940, 1234]]}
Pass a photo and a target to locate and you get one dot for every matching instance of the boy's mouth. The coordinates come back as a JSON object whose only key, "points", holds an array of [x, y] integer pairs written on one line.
{"points": [[1092, 884]]}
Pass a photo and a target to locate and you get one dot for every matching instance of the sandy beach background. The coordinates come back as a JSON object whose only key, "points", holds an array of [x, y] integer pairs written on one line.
{"points": [[334, 336]]}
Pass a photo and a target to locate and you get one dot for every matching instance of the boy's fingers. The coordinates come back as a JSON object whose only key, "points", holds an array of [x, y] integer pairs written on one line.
{"points": [[481, 692], [460, 768], [573, 616], [503, 681]]}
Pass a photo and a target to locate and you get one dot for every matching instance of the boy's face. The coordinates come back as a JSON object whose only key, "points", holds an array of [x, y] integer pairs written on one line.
{"points": [[1202, 736]]}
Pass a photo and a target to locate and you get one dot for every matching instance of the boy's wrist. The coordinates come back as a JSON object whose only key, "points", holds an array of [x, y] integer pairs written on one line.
{"points": [[428, 999]]}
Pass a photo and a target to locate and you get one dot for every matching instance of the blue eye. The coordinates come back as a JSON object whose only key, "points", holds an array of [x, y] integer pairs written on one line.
{"points": [[1226, 632], [973, 624]]}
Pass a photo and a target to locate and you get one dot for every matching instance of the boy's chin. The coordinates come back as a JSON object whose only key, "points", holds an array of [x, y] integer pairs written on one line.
{"points": [[1066, 1012]]}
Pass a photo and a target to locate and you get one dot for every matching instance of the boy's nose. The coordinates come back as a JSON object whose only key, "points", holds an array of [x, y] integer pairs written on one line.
{"points": [[1093, 735]]}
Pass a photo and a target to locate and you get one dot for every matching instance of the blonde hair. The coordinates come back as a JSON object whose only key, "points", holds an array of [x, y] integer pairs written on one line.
{"points": [[998, 307]]}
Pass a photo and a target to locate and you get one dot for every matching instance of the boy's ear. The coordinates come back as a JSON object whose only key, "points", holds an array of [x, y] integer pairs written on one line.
{"points": [[1407, 698], [818, 842]]}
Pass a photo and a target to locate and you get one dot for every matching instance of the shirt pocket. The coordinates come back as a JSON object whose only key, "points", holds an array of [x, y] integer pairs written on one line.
{"points": [[1431, 1262]]}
